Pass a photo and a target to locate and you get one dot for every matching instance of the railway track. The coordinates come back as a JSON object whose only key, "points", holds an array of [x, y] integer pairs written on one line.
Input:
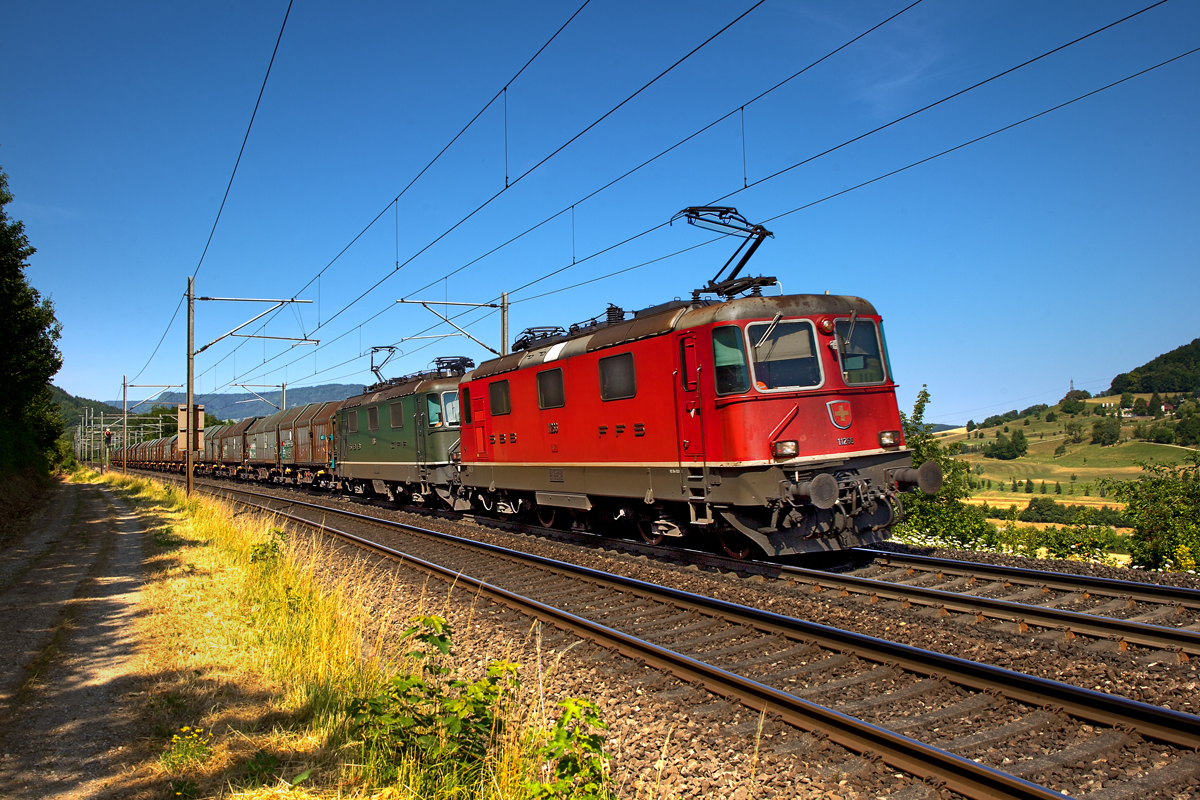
{"points": [[978, 730], [1117, 614]]}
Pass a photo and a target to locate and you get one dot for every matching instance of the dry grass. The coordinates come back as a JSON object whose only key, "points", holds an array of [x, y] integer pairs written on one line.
{"points": [[264, 644]]}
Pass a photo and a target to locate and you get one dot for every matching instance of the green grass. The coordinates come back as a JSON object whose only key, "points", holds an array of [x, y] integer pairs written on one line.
{"points": [[1088, 462]]}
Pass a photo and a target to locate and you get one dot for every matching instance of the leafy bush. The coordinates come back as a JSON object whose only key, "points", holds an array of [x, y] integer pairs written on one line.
{"points": [[432, 718], [1163, 506], [942, 516]]}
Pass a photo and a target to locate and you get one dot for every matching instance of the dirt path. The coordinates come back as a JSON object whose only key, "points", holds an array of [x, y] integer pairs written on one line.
{"points": [[69, 591]]}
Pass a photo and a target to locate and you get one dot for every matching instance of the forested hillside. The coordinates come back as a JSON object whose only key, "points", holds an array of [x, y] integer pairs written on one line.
{"points": [[70, 407], [1176, 371]]}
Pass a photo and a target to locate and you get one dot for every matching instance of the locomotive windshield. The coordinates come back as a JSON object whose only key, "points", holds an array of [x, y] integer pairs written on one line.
{"points": [[785, 355], [451, 401], [433, 410], [859, 352]]}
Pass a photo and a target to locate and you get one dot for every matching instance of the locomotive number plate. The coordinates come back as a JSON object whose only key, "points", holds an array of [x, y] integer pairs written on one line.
{"points": [[845, 440]]}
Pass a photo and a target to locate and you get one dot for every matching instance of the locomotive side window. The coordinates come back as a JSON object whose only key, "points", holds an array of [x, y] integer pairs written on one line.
{"points": [[687, 363], [373, 418], [785, 355], [550, 389], [352, 421], [617, 379], [450, 401], [729, 361], [433, 410], [466, 405], [396, 411], [858, 352], [499, 402]]}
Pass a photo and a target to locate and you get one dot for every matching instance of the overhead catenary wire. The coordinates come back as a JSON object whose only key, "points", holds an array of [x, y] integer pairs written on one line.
{"points": [[395, 201], [857, 138], [523, 175], [228, 186], [835, 194]]}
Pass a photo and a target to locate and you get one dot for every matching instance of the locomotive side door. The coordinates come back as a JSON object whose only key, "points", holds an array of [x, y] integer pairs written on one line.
{"points": [[687, 402], [419, 433], [481, 427]]}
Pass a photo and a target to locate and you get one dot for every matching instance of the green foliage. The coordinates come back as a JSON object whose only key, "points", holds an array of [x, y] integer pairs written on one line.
{"points": [[1163, 505], [271, 548], [189, 747], [1074, 431], [942, 515], [1106, 431], [431, 718], [1072, 407], [580, 765], [260, 767], [428, 715], [1007, 449], [29, 358]]}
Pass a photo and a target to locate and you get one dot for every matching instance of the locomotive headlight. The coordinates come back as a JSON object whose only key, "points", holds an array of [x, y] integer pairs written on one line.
{"points": [[889, 438], [788, 449]]}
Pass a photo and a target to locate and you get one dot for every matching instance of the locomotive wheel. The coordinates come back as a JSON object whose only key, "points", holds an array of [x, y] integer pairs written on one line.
{"points": [[646, 529], [546, 515], [734, 543]]}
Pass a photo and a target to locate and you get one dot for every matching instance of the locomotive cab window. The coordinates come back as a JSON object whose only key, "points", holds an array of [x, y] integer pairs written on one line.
{"points": [[450, 402], [729, 361], [396, 412], [499, 402], [859, 352], [373, 418], [352, 421], [466, 405], [550, 389], [617, 378], [433, 410], [785, 355]]}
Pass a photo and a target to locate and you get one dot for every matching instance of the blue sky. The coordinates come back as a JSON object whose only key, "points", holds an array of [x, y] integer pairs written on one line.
{"points": [[1066, 248]]}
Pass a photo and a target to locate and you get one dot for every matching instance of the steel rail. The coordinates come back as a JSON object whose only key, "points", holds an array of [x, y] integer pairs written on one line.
{"points": [[953, 772], [1178, 640], [1144, 592], [1162, 724]]}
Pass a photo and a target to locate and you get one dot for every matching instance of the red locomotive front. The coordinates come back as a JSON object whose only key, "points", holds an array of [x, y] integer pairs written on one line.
{"points": [[768, 421]]}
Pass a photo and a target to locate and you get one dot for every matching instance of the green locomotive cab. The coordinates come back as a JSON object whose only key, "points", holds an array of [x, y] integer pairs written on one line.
{"points": [[400, 439]]}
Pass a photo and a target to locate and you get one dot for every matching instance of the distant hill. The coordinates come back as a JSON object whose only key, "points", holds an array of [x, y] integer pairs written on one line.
{"points": [[70, 407], [233, 405], [1171, 373], [938, 427]]}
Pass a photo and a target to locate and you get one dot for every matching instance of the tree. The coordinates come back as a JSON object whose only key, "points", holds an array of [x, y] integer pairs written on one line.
{"points": [[1020, 443], [971, 425], [29, 357], [1057, 487], [1050, 416], [1126, 399], [1028, 487], [1042, 489], [1106, 432], [943, 515], [1072, 407], [1140, 407], [1164, 508], [1014, 483], [1156, 405]]}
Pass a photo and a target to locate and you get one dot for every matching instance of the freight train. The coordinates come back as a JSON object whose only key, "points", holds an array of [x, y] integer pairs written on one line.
{"points": [[768, 424]]}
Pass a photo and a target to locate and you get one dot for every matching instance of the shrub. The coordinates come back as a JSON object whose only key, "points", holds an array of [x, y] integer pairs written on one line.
{"points": [[1163, 506]]}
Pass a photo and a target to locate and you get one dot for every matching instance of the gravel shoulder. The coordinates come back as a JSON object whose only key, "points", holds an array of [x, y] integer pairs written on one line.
{"points": [[68, 601]]}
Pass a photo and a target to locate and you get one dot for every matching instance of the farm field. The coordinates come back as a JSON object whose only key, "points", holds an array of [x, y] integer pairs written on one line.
{"points": [[1083, 464]]}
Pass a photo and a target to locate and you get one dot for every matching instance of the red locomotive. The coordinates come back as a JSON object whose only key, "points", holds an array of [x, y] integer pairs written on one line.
{"points": [[770, 422]]}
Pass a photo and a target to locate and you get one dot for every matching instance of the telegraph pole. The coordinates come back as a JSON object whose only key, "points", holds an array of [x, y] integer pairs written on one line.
{"points": [[124, 424], [191, 376], [504, 323], [193, 426]]}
